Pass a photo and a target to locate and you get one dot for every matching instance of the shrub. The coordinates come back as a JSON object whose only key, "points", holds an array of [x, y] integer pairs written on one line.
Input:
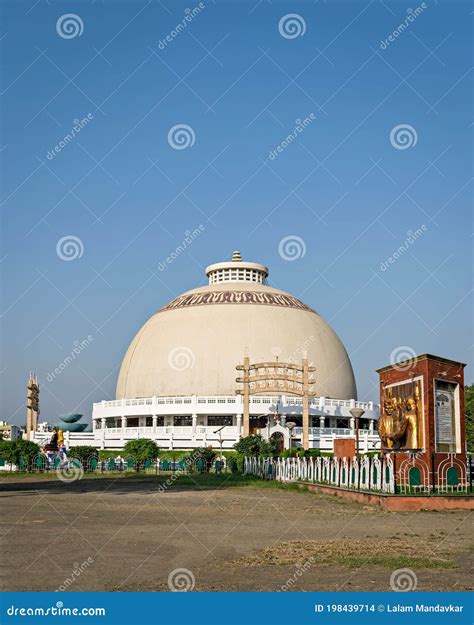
{"points": [[296, 452], [255, 445], [311, 453], [141, 449], [84, 453], [14, 451]]}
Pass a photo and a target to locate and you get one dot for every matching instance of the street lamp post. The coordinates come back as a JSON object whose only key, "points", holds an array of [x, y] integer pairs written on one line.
{"points": [[357, 414], [290, 425], [219, 431]]}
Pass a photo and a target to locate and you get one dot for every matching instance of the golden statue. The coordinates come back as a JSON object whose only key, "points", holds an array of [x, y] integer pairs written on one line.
{"points": [[400, 425], [406, 433], [386, 424]]}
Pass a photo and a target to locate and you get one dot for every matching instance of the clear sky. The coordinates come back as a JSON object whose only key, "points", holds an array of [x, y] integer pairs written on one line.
{"points": [[348, 187]]}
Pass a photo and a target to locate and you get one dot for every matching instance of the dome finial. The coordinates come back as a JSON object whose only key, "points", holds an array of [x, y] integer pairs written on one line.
{"points": [[236, 257]]}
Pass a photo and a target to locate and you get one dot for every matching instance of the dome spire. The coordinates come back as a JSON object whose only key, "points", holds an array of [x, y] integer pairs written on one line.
{"points": [[237, 270]]}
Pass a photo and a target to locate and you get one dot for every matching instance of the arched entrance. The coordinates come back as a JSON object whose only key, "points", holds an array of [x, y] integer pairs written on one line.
{"points": [[279, 439]]}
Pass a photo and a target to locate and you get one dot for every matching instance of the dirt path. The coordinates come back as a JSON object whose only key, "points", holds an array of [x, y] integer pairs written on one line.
{"points": [[127, 535]]}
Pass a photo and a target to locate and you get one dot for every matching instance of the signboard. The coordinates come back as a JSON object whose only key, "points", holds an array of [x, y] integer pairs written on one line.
{"points": [[444, 417]]}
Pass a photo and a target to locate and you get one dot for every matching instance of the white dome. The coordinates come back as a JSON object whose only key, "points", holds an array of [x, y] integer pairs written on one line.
{"points": [[193, 345]]}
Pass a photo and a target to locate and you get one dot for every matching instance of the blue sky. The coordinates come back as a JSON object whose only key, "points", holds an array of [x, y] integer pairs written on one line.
{"points": [[240, 81]]}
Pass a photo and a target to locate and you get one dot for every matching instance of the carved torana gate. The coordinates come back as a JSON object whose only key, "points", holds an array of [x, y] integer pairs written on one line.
{"points": [[277, 377]]}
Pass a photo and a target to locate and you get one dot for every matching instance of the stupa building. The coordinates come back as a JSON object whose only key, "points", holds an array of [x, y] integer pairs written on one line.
{"points": [[177, 383]]}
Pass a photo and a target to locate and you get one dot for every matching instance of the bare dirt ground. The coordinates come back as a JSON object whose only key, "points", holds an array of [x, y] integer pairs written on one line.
{"points": [[106, 534]]}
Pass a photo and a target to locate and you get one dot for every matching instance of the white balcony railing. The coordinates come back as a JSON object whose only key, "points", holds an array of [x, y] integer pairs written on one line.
{"points": [[171, 431], [228, 405]]}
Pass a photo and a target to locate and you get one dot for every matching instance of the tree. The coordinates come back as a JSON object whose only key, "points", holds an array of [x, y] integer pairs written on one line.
{"points": [[255, 445], [469, 409], [141, 449], [14, 451]]}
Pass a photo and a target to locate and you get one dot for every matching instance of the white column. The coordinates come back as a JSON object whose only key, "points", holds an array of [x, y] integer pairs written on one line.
{"points": [[154, 421], [67, 436], [194, 424], [124, 424], [103, 423], [283, 420], [352, 423], [239, 425], [321, 422]]}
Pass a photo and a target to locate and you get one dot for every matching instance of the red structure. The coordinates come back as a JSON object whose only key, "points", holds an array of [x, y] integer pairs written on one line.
{"points": [[344, 447], [422, 423]]}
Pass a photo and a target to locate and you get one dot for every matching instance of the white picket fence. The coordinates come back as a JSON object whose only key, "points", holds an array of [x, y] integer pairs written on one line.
{"points": [[364, 473]]}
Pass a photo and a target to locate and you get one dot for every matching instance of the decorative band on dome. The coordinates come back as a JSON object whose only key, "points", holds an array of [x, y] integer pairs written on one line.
{"points": [[236, 297]]}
